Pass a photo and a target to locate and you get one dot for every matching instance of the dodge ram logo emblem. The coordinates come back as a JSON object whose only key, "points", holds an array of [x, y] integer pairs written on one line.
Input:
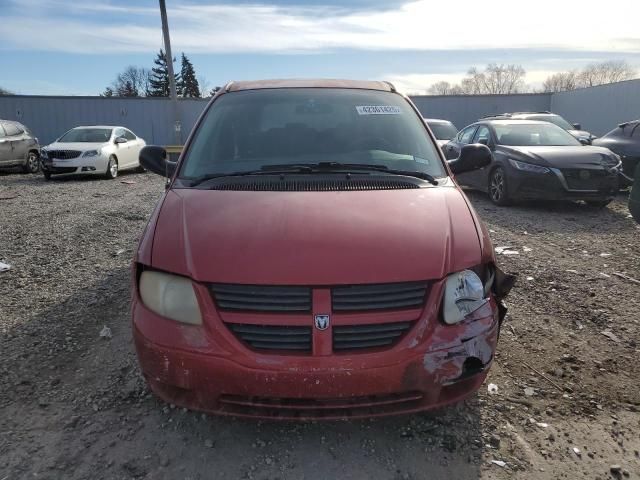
{"points": [[322, 322]]}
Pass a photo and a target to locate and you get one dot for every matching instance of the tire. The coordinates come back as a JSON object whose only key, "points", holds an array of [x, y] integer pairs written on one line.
{"points": [[597, 203], [47, 175], [33, 163], [498, 188], [112, 168]]}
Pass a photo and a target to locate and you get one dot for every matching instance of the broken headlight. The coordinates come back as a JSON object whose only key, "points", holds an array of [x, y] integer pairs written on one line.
{"points": [[464, 293], [170, 296]]}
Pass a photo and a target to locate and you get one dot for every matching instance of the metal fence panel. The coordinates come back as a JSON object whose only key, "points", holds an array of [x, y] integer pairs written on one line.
{"points": [[600, 109], [465, 109]]}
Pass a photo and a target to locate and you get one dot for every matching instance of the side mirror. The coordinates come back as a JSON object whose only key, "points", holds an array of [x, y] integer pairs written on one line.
{"points": [[154, 159], [576, 126], [584, 141], [120, 140], [472, 157]]}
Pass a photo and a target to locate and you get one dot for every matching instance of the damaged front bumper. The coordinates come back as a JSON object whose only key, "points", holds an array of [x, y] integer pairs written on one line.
{"points": [[435, 365]]}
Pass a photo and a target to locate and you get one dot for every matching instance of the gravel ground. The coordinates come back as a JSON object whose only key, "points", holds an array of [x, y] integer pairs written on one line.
{"points": [[72, 404]]}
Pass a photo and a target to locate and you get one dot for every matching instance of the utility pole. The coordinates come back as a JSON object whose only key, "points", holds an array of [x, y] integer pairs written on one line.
{"points": [[172, 79]]}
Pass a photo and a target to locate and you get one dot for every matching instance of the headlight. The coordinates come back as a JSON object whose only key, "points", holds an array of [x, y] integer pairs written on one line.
{"points": [[170, 296], [91, 153], [43, 153], [464, 293], [527, 167]]}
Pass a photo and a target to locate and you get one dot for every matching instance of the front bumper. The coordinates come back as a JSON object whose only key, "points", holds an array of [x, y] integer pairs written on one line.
{"points": [[557, 185], [206, 368], [79, 165]]}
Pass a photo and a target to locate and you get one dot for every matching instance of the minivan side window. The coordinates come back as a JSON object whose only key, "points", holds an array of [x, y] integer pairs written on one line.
{"points": [[466, 135]]}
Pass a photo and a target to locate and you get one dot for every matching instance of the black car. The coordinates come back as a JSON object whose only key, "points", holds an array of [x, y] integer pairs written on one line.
{"points": [[537, 160], [18, 147], [624, 141], [574, 129]]}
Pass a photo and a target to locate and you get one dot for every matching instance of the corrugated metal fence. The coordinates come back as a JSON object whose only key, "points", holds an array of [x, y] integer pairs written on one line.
{"points": [[599, 109]]}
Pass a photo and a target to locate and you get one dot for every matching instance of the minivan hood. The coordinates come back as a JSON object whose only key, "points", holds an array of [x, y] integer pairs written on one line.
{"points": [[562, 157], [315, 238], [80, 146]]}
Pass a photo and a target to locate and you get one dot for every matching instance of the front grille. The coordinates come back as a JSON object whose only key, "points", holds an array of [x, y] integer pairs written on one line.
{"points": [[63, 154], [61, 169], [353, 337], [378, 297], [272, 337], [595, 178], [315, 185], [326, 408], [257, 298]]}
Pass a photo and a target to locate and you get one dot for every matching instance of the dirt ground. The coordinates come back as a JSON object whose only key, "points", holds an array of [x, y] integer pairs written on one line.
{"points": [[72, 404]]}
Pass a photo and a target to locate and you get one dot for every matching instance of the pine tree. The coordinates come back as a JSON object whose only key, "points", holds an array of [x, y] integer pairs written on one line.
{"points": [[189, 86], [159, 79], [128, 90]]}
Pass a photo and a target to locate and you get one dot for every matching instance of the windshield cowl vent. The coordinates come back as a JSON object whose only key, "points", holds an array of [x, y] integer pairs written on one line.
{"points": [[316, 185]]}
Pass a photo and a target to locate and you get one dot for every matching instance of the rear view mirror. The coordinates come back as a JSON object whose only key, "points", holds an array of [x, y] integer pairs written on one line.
{"points": [[472, 157], [154, 158], [576, 126]]}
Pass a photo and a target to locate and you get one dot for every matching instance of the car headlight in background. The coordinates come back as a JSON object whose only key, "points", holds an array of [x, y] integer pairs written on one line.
{"points": [[528, 167], [464, 293], [43, 153], [91, 153], [170, 296]]}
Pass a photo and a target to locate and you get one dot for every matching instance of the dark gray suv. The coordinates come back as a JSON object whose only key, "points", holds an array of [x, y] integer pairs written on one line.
{"points": [[18, 147]]}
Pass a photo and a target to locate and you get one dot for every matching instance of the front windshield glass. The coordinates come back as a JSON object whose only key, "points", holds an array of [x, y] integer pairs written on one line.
{"points": [[555, 119], [86, 135], [531, 135], [248, 130], [443, 131]]}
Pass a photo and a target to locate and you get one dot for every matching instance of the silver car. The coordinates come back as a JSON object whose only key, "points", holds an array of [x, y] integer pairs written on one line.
{"points": [[18, 147]]}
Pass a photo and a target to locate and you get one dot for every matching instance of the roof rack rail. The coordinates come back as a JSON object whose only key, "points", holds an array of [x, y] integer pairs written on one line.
{"points": [[227, 87]]}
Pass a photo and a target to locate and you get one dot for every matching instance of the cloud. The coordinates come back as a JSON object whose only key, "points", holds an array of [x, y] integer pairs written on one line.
{"points": [[104, 27]]}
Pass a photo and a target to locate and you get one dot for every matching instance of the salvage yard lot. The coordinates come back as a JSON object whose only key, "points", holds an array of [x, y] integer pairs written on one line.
{"points": [[72, 404]]}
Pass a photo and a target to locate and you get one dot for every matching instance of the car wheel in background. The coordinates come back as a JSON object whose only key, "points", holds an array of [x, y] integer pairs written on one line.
{"points": [[47, 175], [33, 163], [498, 192], [597, 203], [112, 168]]}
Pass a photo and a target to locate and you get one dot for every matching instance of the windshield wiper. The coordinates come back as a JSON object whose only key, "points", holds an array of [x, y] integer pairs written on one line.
{"points": [[313, 168], [330, 166], [212, 176]]}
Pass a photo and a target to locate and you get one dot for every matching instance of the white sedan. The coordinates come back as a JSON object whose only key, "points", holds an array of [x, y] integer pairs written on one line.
{"points": [[98, 150]]}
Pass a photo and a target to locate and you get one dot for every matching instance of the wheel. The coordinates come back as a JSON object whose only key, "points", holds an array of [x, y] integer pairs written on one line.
{"points": [[47, 175], [33, 163], [498, 191], [140, 169], [597, 203], [112, 168]]}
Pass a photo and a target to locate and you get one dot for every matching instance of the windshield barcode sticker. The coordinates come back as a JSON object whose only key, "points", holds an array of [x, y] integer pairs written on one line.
{"points": [[378, 110]]}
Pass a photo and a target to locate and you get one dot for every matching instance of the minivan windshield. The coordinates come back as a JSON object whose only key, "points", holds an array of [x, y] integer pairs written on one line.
{"points": [[533, 134], [443, 130], [249, 130], [86, 135]]}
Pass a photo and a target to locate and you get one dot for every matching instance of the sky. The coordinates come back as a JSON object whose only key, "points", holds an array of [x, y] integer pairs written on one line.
{"points": [[63, 47]]}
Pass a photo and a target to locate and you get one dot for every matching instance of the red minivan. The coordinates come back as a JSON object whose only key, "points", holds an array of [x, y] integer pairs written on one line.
{"points": [[312, 257]]}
